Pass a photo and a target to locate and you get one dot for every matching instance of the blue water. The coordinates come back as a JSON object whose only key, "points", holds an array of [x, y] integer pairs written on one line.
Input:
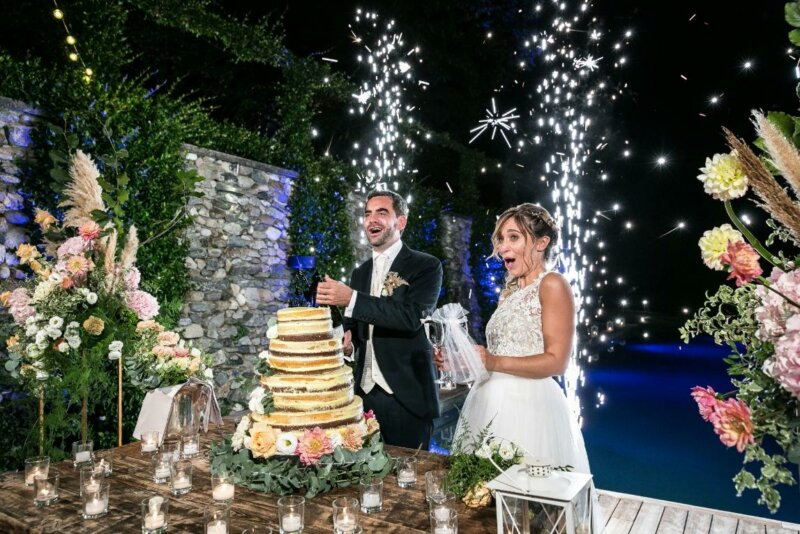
{"points": [[648, 439]]}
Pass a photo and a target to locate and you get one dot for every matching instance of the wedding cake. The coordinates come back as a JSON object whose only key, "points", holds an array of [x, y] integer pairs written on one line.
{"points": [[311, 386]]}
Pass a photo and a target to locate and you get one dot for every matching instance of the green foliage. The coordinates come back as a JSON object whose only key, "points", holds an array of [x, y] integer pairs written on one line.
{"points": [[281, 475]]}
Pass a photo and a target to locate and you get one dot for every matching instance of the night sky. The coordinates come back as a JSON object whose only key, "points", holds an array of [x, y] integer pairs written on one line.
{"points": [[660, 113]]}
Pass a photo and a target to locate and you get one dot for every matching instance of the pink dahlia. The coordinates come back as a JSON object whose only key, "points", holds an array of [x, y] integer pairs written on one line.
{"points": [[77, 266], [313, 445], [707, 401], [168, 338], [71, 247], [743, 262], [143, 304], [89, 230], [19, 305], [369, 414], [732, 423]]}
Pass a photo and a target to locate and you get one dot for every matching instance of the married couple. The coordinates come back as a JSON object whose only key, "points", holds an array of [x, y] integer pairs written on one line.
{"points": [[529, 337]]}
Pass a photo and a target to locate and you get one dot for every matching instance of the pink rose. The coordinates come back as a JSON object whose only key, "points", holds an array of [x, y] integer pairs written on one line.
{"points": [[707, 401], [733, 424], [743, 262], [313, 445], [369, 415]]}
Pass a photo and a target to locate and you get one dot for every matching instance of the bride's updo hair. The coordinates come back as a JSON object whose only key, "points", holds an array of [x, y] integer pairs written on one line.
{"points": [[535, 222]]}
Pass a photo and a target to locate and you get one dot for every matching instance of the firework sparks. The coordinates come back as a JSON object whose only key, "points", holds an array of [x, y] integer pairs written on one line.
{"points": [[497, 122]]}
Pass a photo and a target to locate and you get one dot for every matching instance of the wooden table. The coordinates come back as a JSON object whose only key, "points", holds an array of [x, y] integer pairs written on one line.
{"points": [[404, 510]]}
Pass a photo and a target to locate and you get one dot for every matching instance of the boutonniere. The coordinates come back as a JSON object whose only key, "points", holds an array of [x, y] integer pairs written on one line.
{"points": [[392, 282]]}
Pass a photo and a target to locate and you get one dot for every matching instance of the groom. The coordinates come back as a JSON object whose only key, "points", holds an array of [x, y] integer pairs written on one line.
{"points": [[389, 296]]}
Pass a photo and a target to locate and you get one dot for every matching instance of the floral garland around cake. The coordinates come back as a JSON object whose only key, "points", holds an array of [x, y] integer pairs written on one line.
{"points": [[265, 458]]}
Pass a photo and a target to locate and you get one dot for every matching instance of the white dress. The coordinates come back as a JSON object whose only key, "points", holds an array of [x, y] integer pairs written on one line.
{"points": [[531, 412]]}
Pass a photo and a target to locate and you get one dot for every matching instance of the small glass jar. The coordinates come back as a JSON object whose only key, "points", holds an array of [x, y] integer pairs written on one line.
{"points": [[371, 493], [155, 515], [191, 445], [222, 488], [444, 525], [216, 519], [36, 466], [345, 515], [95, 502], [45, 488], [406, 469], [162, 471], [291, 514], [180, 482], [149, 441], [91, 477], [106, 464], [82, 453]]}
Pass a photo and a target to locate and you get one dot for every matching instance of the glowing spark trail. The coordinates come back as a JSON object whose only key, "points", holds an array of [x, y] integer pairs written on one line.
{"points": [[494, 121]]}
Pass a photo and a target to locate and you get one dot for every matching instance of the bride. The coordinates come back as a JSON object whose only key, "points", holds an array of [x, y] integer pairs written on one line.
{"points": [[530, 339]]}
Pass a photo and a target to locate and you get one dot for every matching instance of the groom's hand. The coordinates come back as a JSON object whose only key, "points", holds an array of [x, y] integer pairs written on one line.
{"points": [[333, 293]]}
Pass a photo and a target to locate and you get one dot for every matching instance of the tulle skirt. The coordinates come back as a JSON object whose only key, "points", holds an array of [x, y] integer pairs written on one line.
{"points": [[532, 413]]}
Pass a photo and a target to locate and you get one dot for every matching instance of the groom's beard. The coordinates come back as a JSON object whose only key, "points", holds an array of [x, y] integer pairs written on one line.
{"points": [[379, 240]]}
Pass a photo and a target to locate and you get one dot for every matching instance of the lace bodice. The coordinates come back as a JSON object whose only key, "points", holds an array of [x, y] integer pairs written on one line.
{"points": [[515, 328]]}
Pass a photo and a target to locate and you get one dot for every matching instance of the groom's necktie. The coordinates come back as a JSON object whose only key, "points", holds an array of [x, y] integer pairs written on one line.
{"points": [[372, 373]]}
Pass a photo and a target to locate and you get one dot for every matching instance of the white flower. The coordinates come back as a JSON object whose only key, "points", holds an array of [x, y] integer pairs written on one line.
{"points": [[483, 451], [237, 407], [714, 244], [246, 442], [237, 441], [256, 400], [83, 291], [42, 291], [195, 352], [264, 354], [723, 177], [114, 355], [42, 375], [73, 341], [336, 439], [209, 373], [115, 345], [272, 331], [91, 298], [30, 320], [63, 348], [56, 322], [55, 277], [244, 424], [31, 330], [287, 443], [494, 444], [506, 451], [53, 333], [73, 325], [33, 350]]}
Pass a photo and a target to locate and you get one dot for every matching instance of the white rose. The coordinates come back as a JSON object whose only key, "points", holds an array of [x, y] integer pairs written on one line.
{"points": [[91, 298], [73, 325], [483, 451], [494, 444], [63, 348], [286, 443], [114, 355], [256, 399], [237, 441], [43, 344], [115, 345], [41, 335], [33, 350], [506, 451], [54, 333], [74, 341], [272, 331], [56, 322], [31, 330]]}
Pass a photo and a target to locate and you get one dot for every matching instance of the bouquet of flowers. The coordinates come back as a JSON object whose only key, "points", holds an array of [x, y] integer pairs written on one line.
{"points": [[759, 319], [477, 459]]}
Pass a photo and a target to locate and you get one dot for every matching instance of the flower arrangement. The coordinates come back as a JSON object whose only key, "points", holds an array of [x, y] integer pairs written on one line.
{"points": [[759, 318], [475, 460], [80, 307]]}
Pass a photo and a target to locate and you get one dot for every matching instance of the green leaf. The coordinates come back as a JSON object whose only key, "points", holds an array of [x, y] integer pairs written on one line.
{"points": [[793, 454], [794, 37], [59, 175], [783, 122], [123, 179], [122, 153], [791, 11], [11, 365]]}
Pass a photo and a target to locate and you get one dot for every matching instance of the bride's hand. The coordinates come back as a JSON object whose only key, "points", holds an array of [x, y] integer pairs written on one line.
{"points": [[438, 358], [487, 358]]}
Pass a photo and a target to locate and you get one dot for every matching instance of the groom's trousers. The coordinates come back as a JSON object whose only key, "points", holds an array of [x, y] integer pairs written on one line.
{"points": [[398, 426]]}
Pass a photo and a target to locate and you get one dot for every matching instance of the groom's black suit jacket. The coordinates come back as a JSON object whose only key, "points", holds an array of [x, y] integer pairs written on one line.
{"points": [[402, 350]]}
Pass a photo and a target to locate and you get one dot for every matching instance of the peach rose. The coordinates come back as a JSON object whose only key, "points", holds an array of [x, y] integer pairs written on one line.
{"points": [[263, 440], [94, 325]]}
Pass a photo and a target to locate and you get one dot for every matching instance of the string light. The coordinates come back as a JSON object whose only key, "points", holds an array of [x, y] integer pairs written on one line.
{"points": [[72, 42]]}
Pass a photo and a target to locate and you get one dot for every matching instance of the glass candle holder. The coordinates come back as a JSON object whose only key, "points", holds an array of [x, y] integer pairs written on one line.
{"points": [[345, 515], [441, 505], [291, 514], [444, 525], [216, 519], [162, 462], [155, 515], [180, 482], [149, 441], [172, 445], [371, 493], [191, 445], [406, 469], [106, 464], [45, 488], [91, 477], [95, 503], [434, 484], [222, 488], [82, 453], [36, 466]]}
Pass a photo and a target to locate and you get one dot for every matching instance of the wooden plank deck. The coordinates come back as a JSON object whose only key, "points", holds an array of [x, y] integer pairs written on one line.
{"points": [[631, 514]]}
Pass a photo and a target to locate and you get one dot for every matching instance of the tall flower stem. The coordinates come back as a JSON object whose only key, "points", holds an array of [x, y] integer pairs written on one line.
{"points": [[767, 255], [41, 420], [764, 282]]}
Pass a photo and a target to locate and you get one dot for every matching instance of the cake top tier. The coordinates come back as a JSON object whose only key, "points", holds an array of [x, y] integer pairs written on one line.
{"points": [[303, 314]]}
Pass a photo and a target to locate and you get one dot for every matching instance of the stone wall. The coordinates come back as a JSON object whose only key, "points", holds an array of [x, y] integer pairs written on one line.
{"points": [[17, 121], [456, 236], [237, 260]]}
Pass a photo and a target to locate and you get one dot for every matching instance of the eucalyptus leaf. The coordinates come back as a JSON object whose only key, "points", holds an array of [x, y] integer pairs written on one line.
{"points": [[791, 11]]}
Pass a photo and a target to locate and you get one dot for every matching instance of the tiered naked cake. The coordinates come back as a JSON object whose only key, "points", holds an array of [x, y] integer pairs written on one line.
{"points": [[311, 385]]}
